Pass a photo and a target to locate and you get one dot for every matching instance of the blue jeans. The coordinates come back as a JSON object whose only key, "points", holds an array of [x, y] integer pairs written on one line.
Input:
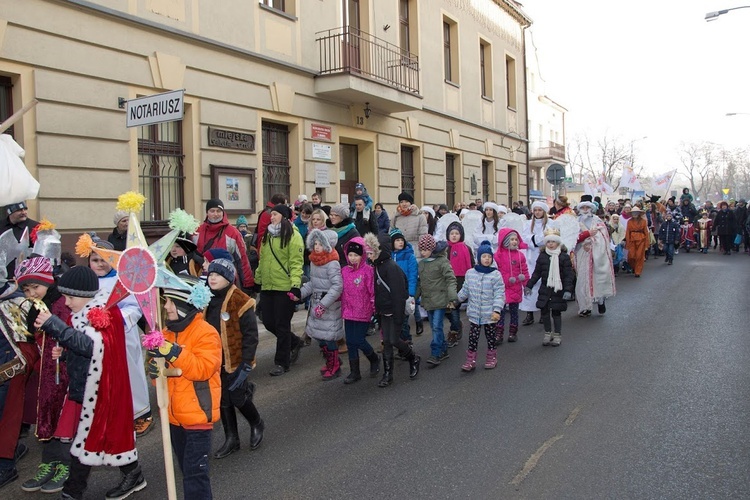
{"points": [[438, 345], [192, 448], [454, 317], [406, 330], [669, 251], [356, 338]]}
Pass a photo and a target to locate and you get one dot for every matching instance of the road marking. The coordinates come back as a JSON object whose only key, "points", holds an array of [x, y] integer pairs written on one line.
{"points": [[534, 459], [573, 414]]}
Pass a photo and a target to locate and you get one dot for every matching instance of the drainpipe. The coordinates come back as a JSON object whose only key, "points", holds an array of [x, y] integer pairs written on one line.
{"points": [[526, 124]]}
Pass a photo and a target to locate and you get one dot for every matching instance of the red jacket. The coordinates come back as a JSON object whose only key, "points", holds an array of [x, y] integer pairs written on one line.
{"points": [[226, 236]]}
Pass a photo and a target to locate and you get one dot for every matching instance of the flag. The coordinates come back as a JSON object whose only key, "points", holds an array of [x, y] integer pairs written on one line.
{"points": [[629, 179], [589, 189], [662, 182], [601, 185]]}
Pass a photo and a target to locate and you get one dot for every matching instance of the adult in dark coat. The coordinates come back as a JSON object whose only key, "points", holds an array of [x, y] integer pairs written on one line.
{"points": [[725, 227], [17, 219], [740, 216]]}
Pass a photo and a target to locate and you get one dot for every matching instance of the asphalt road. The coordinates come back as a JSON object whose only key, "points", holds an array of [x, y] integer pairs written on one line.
{"points": [[647, 401]]}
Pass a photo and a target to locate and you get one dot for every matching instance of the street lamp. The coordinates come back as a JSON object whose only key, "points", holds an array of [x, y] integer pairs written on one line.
{"points": [[712, 16], [735, 114]]}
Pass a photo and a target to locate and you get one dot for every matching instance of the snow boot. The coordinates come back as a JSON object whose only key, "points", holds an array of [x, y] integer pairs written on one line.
{"points": [[529, 320], [325, 351], [512, 331], [471, 361], [374, 360], [556, 340], [333, 364], [547, 338], [491, 361]]}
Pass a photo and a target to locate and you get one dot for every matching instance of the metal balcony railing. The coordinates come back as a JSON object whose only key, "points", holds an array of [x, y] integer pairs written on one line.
{"points": [[350, 50], [548, 149]]}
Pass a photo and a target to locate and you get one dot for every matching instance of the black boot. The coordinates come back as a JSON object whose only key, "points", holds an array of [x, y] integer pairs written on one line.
{"points": [[529, 319], [250, 412], [256, 434], [131, 482], [231, 435], [387, 371], [413, 360], [374, 364], [420, 328], [354, 374]]}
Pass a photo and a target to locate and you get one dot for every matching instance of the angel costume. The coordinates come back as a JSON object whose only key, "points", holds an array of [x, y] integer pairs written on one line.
{"points": [[533, 235], [596, 279]]}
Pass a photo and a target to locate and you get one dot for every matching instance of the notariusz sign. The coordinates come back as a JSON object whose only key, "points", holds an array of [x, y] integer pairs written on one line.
{"points": [[158, 108]]}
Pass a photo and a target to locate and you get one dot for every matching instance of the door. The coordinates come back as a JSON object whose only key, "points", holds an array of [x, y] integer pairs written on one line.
{"points": [[352, 35], [348, 171]]}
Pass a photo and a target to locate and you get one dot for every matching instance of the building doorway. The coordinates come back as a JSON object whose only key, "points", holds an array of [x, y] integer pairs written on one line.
{"points": [[348, 171]]}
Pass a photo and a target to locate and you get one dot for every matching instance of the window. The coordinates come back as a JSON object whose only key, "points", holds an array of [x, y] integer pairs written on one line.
{"points": [[486, 180], [160, 170], [403, 19], [407, 170], [275, 160], [6, 101], [285, 6], [450, 50], [510, 81], [450, 180], [485, 68]]}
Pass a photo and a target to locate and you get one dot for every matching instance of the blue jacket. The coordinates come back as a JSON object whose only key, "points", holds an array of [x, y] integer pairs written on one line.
{"points": [[669, 232], [384, 222], [408, 263]]}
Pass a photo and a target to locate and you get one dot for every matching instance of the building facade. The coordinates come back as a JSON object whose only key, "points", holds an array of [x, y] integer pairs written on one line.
{"points": [[287, 96]]}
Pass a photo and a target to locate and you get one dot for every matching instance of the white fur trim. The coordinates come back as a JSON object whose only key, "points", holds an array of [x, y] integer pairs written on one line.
{"points": [[427, 209], [540, 204], [493, 206], [502, 208], [90, 395]]}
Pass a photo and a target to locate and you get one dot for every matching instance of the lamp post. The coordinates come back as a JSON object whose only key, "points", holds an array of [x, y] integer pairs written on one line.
{"points": [[712, 16]]}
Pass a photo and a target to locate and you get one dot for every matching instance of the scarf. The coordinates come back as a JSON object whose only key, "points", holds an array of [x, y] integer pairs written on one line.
{"points": [[179, 325], [274, 229], [553, 278], [344, 228], [484, 269], [323, 258], [405, 212], [460, 257]]}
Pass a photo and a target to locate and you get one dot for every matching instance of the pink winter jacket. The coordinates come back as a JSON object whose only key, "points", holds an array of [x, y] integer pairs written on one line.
{"points": [[358, 298], [512, 264]]}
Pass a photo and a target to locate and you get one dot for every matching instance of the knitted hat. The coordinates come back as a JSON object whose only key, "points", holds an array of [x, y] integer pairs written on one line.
{"points": [[217, 253], [241, 220], [428, 209], [119, 215], [484, 247], [396, 234], [284, 210], [457, 226], [35, 270], [405, 196], [540, 204], [181, 298], [341, 210], [224, 268], [79, 281], [427, 242], [354, 247], [214, 203], [15, 207]]}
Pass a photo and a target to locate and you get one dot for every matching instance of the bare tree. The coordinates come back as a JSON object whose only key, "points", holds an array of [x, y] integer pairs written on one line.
{"points": [[606, 155], [700, 165]]}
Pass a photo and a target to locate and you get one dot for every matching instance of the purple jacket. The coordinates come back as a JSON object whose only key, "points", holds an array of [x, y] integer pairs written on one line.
{"points": [[358, 298]]}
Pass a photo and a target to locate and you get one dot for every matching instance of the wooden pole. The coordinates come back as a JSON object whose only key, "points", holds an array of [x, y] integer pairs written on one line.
{"points": [[17, 116], [162, 400]]}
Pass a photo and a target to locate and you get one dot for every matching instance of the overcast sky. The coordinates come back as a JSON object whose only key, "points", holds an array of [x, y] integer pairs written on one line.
{"points": [[650, 68]]}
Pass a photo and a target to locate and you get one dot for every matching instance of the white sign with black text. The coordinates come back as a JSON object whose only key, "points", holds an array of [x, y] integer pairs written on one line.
{"points": [[158, 108]]}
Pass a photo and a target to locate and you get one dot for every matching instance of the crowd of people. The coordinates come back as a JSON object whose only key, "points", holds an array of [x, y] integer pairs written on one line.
{"points": [[365, 277]]}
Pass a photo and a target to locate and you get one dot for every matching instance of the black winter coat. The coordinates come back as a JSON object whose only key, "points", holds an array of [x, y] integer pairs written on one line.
{"points": [[78, 351], [724, 223], [547, 296], [389, 301]]}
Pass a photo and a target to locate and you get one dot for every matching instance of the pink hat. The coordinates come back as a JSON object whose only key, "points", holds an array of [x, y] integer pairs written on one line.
{"points": [[35, 270]]}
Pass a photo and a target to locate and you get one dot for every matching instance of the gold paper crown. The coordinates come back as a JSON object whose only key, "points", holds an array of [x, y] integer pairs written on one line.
{"points": [[551, 231]]}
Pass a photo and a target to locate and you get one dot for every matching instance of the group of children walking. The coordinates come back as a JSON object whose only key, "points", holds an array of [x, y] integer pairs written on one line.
{"points": [[382, 277]]}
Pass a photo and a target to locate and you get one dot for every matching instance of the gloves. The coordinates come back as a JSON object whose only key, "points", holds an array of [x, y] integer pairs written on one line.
{"points": [[495, 317], [295, 294], [521, 277], [255, 288], [240, 375], [152, 369], [319, 311], [167, 350], [567, 296], [527, 291]]}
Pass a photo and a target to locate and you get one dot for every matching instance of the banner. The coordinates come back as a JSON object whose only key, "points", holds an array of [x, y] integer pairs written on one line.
{"points": [[601, 185], [629, 179], [663, 181]]}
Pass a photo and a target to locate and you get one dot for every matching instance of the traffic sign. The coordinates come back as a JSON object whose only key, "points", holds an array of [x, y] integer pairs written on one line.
{"points": [[555, 173], [725, 190]]}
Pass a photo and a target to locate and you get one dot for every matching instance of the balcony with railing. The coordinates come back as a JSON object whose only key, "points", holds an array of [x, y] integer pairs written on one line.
{"points": [[358, 67], [547, 150]]}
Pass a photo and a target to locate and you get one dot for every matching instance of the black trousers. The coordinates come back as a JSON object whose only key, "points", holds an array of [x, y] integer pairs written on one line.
{"points": [[277, 311], [241, 398]]}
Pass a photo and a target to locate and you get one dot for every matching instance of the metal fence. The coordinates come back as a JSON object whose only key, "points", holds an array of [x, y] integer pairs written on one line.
{"points": [[350, 50]]}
